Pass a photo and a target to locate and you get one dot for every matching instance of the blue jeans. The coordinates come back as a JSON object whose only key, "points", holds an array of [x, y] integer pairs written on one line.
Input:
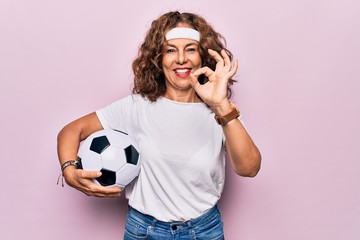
{"points": [[208, 226]]}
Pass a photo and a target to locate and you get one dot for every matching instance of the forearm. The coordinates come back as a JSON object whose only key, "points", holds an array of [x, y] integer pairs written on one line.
{"points": [[71, 135], [242, 153], [67, 144], [244, 156]]}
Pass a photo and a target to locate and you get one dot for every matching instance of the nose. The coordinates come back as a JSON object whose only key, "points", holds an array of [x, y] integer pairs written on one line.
{"points": [[181, 58]]}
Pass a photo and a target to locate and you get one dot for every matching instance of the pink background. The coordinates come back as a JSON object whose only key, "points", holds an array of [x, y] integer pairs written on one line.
{"points": [[298, 89]]}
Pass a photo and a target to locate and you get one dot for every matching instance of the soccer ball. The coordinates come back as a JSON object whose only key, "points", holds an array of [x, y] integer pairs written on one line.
{"points": [[112, 153]]}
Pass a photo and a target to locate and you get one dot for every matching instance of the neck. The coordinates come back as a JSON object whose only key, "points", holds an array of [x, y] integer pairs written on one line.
{"points": [[189, 97]]}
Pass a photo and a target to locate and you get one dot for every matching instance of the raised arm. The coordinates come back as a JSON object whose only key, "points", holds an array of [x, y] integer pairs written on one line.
{"points": [[244, 156]]}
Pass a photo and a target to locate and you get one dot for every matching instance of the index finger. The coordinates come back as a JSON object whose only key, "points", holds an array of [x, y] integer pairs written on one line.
{"points": [[94, 189], [226, 58], [219, 60], [87, 179], [88, 174]]}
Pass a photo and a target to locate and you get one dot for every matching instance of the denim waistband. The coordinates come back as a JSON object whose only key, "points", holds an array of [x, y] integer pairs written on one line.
{"points": [[175, 224]]}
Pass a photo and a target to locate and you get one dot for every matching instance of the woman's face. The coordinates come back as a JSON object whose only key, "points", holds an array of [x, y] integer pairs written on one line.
{"points": [[180, 57]]}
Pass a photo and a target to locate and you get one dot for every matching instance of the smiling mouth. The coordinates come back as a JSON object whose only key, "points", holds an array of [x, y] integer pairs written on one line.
{"points": [[182, 72]]}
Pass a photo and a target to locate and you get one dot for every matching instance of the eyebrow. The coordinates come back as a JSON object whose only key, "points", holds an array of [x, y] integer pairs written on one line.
{"points": [[187, 45]]}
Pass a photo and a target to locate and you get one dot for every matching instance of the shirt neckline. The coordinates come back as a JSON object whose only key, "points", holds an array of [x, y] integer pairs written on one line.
{"points": [[180, 103]]}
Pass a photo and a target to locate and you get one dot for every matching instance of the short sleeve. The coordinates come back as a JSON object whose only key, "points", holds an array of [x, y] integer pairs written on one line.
{"points": [[115, 114]]}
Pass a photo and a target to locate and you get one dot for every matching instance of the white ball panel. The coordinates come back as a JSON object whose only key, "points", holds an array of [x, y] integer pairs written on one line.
{"points": [[84, 146], [127, 173], [91, 161], [118, 139], [113, 158]]}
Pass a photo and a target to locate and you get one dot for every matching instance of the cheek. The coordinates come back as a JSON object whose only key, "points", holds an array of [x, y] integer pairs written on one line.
{"points": [[166, 67], [163, 63], [166, 62], [197, 60]]}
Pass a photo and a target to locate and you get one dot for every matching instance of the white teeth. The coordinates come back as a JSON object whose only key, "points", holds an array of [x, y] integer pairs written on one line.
{"points": [[182, 70]]}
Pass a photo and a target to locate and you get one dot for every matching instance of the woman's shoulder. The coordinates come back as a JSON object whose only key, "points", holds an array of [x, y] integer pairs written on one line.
{"points": [[137, 99], [128, 103], [131, 99]]}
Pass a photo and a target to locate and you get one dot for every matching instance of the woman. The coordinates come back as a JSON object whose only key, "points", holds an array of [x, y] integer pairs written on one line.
{"points": [[182, 82]]}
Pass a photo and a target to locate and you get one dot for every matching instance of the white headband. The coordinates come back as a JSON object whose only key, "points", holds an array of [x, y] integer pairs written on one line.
{"points": [[181, 32]]}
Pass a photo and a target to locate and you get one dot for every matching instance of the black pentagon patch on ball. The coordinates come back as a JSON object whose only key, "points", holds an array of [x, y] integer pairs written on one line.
{"points": [[132, 155], [107, 178], [99, 144]]}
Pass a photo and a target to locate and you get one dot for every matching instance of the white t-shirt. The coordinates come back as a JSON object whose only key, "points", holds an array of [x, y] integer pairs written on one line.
{"points": [[181, 148]]}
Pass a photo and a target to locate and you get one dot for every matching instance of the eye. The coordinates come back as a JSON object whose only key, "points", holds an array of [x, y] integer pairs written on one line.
{"points": [[170, 50], [191, 49]]}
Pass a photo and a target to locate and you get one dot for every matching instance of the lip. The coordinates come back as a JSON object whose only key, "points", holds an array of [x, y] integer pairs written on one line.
{"points": [[182, 72]]}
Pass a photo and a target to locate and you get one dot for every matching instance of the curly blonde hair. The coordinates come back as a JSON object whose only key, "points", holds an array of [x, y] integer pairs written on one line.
{"points": [[149, 79]]}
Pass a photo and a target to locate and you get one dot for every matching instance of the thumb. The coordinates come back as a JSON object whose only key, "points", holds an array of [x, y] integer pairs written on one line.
{"points": [[90, 174]]}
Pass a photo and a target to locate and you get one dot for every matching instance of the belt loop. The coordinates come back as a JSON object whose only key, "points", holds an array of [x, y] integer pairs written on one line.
{"points": [[153, 222], [189, 224]]}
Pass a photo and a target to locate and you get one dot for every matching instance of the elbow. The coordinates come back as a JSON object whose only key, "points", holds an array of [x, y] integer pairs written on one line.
{"points": [[251, 174], [60, 135], [248, 173], [67, 131], [251, 168]]}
